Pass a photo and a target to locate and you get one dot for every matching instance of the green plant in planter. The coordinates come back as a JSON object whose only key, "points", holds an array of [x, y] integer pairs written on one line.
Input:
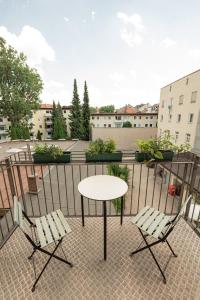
{"points": [[99, 146], [51, 150], [123, 173]]}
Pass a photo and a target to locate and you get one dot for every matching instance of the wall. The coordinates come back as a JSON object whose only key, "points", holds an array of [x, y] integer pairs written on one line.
{"points": [[125, 138]]}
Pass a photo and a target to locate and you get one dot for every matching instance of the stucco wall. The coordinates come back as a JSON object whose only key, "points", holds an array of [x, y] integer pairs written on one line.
{"points": [[125, 138]]}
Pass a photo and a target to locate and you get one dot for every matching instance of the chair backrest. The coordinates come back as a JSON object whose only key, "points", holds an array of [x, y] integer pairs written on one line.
{"points": [[182, 209], [18, 214]]}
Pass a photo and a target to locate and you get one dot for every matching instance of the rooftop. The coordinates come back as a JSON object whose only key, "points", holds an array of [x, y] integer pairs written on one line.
{"points": [[120, 277]]}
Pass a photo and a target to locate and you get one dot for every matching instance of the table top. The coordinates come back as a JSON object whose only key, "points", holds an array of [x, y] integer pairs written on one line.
{"points": [[102, 187]]}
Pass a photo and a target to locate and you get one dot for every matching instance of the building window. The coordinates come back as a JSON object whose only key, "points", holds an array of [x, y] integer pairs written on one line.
{"points": [[187, 137], [151, 117], [150, 125], [176, 136], [170, 88], [49, 133], [118, 117], [109, 125], [134, 125], [104, 125], [40, 126], [194, 97], [140, 117], [47, 111], [187, 80], [118, 126], [178, 118], [190, 118], [98, 118], [64, 111], [170, 118], [93, 118], [181, 97], [161, 118], [146, 117], [146, 125], [109, 117], [1, 120], [135, 117]]}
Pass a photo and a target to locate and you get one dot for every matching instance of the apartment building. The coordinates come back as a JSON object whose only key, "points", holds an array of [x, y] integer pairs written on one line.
{"points": [[179, 110], [117, 119], [4, 129]]}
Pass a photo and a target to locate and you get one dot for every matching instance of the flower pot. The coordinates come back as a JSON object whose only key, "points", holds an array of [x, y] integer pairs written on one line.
{"points": [[47, 158], [167, 154], [103, 157], [142, 156]]}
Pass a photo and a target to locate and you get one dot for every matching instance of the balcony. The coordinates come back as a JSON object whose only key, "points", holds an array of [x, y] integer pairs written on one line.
{"points": [[120, 277]]}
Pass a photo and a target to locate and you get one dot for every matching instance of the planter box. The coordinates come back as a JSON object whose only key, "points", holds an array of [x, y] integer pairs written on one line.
{"points": [[115, 156], [167, 155], [46, 158], [142, 156]]}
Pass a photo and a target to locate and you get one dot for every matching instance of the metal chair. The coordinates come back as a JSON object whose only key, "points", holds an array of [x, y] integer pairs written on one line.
{"points": [[152, 223], [46, 230]]}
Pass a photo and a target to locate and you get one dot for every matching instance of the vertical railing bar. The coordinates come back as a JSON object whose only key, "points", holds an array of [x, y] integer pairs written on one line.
{"points": [[132, 189], [37, 193], [170, 173], [64, 166], [29, 193], [147, 182], [160, 193], [95, 203], [58, 186], [15, 183], [6, 191], [49, 170], [139, 187], [44, 191], [4, 208], [174, 192], [154, 183], [80, 177], [21, 187], [73, 189], [88, 198]]}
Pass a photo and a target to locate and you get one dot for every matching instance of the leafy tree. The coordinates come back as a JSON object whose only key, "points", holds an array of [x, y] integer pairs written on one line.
{"points": [[127, 124], [58, 124], [39, 135], [107, 109], [75, 115], [20, 87], [86, 114], [19, 131], [93, 110]]}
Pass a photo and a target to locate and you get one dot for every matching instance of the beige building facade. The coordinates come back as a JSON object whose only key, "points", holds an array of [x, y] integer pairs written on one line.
{"points": [[179, 110], [116, 120]]}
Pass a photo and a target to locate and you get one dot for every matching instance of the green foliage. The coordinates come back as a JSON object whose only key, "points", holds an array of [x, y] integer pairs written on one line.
{"points": [[121, 172], [19, 131], [127, 124], [58, 123], [86, 114], [51, 150], [39, 135], [75, 115], [93, 110], [107, 109], [99, 146], [20, 86]]}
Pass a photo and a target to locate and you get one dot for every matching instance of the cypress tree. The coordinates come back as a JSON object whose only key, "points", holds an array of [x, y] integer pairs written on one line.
{"points": [[58, 123], [75, 115], [86, 114]]}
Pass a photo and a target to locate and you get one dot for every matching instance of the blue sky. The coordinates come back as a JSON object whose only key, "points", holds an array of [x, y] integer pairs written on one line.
{"points": [[126, 50]]}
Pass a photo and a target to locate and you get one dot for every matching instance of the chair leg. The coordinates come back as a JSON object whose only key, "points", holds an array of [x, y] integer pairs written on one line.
{"points": [[148, 246], [170, 247], [52, 254], [34, 250]]}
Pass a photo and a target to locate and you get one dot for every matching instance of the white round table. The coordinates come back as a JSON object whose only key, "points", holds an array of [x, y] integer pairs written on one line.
{"points": [[103, 188]]}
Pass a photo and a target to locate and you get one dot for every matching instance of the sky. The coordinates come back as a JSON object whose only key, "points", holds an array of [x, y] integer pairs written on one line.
{"points": [[126, 50]]}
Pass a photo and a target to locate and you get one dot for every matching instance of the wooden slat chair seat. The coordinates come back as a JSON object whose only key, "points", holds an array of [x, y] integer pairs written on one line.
{"points": [[153, 223], [46, 230]]}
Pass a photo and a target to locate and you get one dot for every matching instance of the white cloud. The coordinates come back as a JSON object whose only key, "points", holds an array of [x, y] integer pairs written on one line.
{"points": [[167, 42], [117, 77], [66, 19], [30, 41], [93, 14], [132, 31], [194, 53], [55, 90], [133, 73]]}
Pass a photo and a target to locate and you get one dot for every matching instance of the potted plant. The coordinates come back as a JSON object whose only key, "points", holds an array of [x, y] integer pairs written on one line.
{"points": [[143, 154], [123, 173], [50, 154], [100, 151]]}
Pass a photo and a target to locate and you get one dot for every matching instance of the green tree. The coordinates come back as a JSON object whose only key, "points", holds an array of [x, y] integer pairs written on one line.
{"points": [[86, 114], [93, 110], [58, 123], [75, 115], [107, 109], [127, 124], [20, 87]]}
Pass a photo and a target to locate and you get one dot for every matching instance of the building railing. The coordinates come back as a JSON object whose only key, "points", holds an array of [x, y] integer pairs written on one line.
{"points": [[46, 187]]}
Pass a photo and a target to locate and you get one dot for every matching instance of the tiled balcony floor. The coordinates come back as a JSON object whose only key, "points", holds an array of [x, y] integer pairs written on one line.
{"points": [[120, 277]]}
